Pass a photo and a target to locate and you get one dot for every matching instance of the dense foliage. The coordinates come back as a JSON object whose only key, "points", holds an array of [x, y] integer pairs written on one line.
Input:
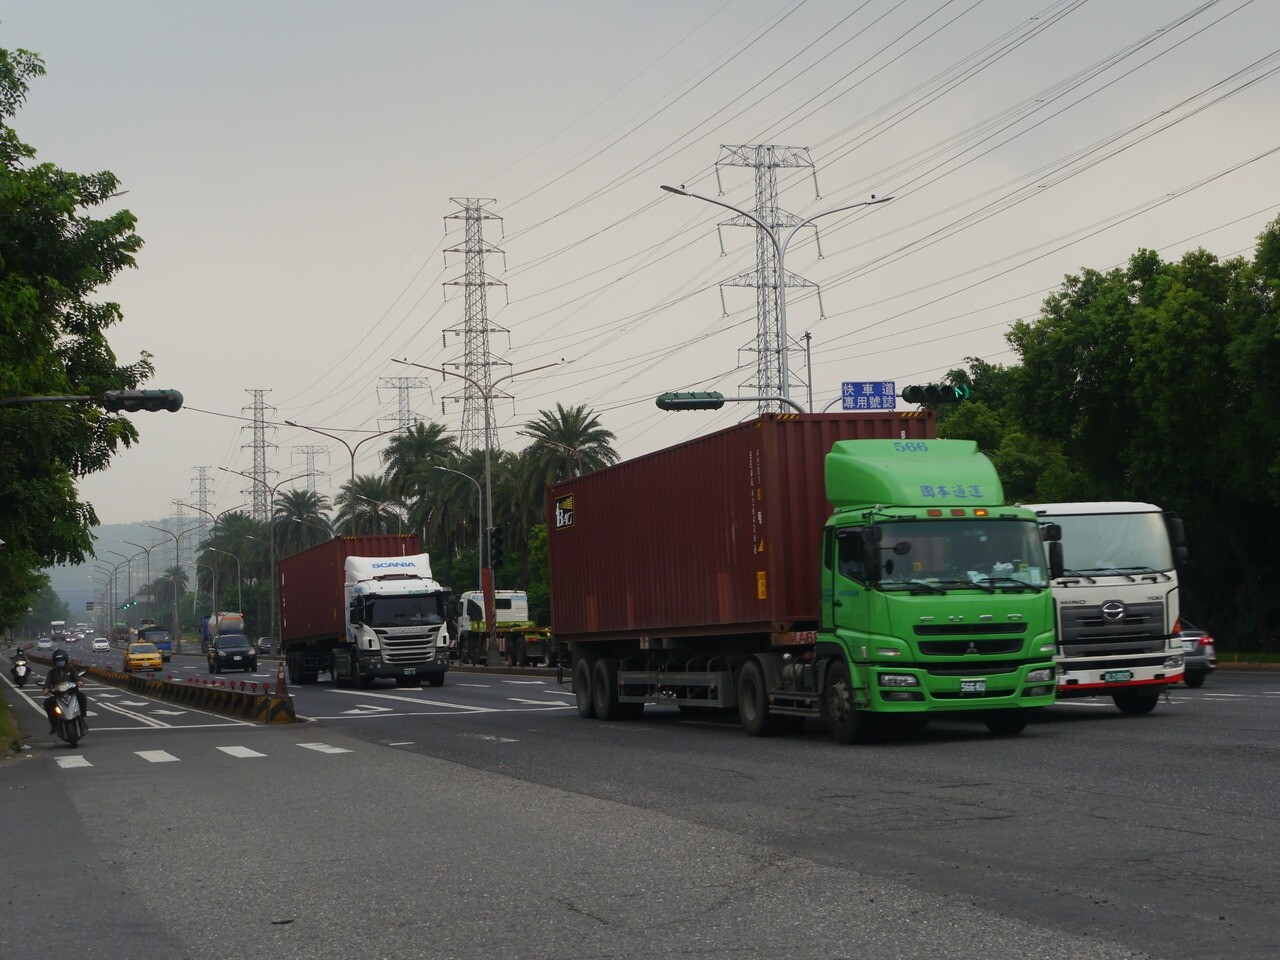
{"points": [[1155, 382], [54, 257]]}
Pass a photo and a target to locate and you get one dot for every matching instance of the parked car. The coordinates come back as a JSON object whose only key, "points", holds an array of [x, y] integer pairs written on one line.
{"points": [[265, 644], [1199, 654], [44, 643], [101, 645], [142, 656], [232, 650]]}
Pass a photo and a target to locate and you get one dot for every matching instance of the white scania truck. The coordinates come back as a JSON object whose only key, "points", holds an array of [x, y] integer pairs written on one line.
{"points": [[1117, 603]]}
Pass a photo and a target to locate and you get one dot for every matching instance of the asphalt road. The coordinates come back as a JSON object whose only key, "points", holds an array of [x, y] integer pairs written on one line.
{"points": [[485, 819]]}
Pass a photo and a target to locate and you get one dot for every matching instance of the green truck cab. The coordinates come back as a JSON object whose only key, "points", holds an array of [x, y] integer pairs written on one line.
{"points": [[935, 597]]}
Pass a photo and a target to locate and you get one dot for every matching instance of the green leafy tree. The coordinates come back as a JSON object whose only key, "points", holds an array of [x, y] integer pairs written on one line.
{"points": [[409, 452], [54, 257], [367, 506], [301, 520]]}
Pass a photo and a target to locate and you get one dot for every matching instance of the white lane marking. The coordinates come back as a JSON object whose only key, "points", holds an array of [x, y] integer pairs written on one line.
{"points": [[68, 762], [485, 685], [489, 738], [241, 752], [157, 756], [550, 704], [414, 700], [133, 703], [562, 693], [368, 708], [538, 683], [1232, 695], [401, 743], [323, 748], [149, 721], [169, 713]]}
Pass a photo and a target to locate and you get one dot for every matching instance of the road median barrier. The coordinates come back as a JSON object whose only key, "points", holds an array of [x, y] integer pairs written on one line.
{"points": [[247, 700]]}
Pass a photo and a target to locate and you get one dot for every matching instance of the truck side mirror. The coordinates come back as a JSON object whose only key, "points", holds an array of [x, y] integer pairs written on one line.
{"points": [[354, 614], [1056, 566], [1051, 532], [452, 609]]}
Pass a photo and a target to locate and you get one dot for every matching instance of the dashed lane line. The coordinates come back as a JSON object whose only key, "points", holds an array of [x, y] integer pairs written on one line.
{"points": [[157, 756], [323, 748], [242, 752]]}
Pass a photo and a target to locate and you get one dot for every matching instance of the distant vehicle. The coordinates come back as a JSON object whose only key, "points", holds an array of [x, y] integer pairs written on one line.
{"points": [[222, 621], [100, 645], [232, 650], [142, 656], [265, 644], [520, 641], [44, 643], [1200, 653], [58, 629], [73, 638], [161, 637]]}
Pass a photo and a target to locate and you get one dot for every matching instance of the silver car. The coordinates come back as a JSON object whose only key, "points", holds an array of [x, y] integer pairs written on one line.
{"points": [[1199, 654]]}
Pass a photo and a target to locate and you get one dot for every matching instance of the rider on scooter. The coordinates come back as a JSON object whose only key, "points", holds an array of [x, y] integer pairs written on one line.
{"points": [[62, 670]]}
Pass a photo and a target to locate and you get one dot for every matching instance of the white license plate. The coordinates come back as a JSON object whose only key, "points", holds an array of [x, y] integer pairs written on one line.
{"points": [[1117, 676], [235, 658], [1188, 645], [973, 686]]}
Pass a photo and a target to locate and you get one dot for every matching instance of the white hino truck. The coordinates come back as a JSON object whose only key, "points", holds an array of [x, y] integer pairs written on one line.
{"points": [[1117, 602]]}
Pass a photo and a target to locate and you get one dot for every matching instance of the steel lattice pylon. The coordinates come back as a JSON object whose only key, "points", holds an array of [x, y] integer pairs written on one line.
{"points": [[311, 451], [259, 493], [477, 362], [768, 346]]}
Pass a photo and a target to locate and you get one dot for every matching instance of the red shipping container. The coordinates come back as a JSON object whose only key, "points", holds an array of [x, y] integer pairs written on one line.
{"points": [[716, 536], [311, 583]]}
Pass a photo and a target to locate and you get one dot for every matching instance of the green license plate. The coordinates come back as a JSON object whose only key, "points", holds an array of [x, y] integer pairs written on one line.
{"points": [[410, 671], [973, 686], [1117, 676]]}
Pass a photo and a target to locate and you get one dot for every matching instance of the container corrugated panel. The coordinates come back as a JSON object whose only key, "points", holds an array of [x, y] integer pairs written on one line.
{"points": [[717, 535], [311, 595]]}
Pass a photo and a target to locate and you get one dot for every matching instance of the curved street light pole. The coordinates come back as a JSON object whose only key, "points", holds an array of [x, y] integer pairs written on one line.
{"points": [[487, 584], [150, 603], [479, 520], [177, 562], [214, 518], [127, 563], [239, 581], [780, 248], [350, 449]]}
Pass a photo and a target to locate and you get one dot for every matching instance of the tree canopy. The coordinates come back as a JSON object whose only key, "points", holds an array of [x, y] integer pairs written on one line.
{"points": [[54, 258]]}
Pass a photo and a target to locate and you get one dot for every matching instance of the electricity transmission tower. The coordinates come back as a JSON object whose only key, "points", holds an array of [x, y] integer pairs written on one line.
{"points": [[259, 445], [402, 386], [766, 160], [311, 451], [477, 362]]}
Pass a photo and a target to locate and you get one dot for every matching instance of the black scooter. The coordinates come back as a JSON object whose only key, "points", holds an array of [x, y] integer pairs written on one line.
{"points": [[67, 718], [21, 669]]}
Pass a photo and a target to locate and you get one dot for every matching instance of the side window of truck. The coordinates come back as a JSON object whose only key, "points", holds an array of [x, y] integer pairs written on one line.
{"points": [[849, 554]]}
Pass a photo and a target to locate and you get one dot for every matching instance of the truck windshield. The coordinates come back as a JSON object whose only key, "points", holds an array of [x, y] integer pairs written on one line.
{"points": [[1120, 542], [404, 611], [982, 553]]}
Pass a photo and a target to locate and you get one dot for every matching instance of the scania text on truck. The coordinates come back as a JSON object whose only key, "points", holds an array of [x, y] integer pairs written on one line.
{"points": [[363, 608], [1117, 602], [792, 569]]}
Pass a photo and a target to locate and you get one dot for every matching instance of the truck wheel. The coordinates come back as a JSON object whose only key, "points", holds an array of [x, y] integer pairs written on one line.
{"points": [[604, 690], [847, 723], [582, 688], [293, 665], [1194, 680], [435, 679], [1135, 703], [753, 702], [1007, 723]]}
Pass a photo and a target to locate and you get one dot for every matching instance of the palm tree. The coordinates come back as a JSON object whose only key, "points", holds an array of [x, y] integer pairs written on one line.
{"points": [[406, 453], [301, 520], [367, 506], [566, 443]]}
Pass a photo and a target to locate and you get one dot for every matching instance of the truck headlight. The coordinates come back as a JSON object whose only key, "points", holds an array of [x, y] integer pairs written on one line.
{"points": [[899, 680], [1046, 648], [1043, 675], [1173, 663]]}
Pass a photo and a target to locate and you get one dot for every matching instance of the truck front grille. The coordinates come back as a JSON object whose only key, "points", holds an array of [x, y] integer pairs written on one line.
{"points": [[956, 648]]}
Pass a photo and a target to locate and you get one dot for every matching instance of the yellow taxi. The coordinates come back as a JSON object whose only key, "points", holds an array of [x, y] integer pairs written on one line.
{"points": [[142, 656]]}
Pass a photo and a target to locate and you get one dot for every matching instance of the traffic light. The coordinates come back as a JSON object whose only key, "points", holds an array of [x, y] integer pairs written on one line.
{"points": [[133, 401], [935, 393], [690, 401], [495, 546]]}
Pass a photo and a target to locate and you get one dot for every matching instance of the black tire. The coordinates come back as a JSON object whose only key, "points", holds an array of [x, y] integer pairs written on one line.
{"points": [[435, 679], [604, 690], [250, 669], [846, 722], [1194, 680], [217, 667], [294, 668], [753, 702], [1136, 703], [1007, 723], [408, 682], [582, 669]]}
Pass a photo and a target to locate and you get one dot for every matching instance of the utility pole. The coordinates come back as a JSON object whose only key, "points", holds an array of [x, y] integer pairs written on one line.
{"points": [[261, 509], [402, 386], [311, 452], [477, 362], [772, 376]]}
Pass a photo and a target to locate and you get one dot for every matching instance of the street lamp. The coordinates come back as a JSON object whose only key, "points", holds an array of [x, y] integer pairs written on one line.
{"points": [[780, 248], [215, 517], [150, 603], [271, 560], [572, 451], [177, 621], [177, 560], [486, 393], [239, 580], [378, 504], [479, 519], [128, 566], [350, 449]]}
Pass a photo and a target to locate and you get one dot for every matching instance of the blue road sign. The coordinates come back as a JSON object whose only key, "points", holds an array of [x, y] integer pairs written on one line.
{"points": [[869, 395]]}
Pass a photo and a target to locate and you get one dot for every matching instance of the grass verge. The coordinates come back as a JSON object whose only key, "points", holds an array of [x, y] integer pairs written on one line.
{"points": [[10, 738]]}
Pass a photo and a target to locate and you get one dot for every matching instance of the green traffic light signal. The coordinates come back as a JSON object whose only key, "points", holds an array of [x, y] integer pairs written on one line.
{"points": [[709, 400], [134, 401], [935, 393]]}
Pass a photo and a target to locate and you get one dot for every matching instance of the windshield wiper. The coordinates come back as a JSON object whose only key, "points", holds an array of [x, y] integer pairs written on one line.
{"points": [[1078, 573], [1109, 571], [915, 586], [977, 585], [1020, 584]]}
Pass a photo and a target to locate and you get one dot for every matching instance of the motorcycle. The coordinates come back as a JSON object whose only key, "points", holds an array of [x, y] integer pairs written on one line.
{"points": [[68, 720], [21, 670]]}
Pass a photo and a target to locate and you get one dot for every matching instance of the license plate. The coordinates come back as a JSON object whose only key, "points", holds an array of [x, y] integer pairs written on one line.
{"points": [[1188, 645], [1117, 676], [973, 686], [235, 658], [410, 671]]}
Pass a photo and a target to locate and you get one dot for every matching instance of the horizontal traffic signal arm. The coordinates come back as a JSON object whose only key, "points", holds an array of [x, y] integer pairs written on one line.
{"points": [[935, 393], [117, 401]]}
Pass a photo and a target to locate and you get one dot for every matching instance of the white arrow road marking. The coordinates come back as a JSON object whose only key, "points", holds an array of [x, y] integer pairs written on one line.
{"points": [[323, 748], [133, 703], [555, 704], [156, 756], [169, 713], [368, 708], [149, 721], [68, 762], [241, 752], [416, 700]]}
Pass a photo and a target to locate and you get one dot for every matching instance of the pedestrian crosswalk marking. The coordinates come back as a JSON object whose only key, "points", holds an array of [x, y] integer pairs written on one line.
{"points": [[241, 752], [68, 762], [157, 756], [323, 748]]}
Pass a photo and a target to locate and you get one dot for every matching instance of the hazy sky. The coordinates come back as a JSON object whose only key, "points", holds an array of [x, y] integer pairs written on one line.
{"points": [[291, 165]]}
